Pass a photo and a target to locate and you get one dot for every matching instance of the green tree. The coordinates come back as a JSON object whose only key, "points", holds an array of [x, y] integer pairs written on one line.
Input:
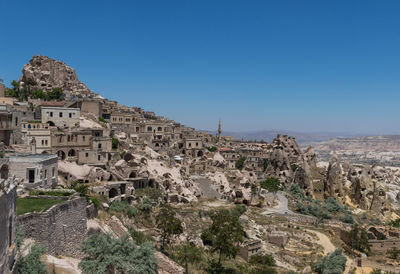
{"points": [[271, 184], [240, 163], [358, 239], [168, 224], [262, 264], [224, 234], [105, 254], [333, 263], [115, 143], [26, 91], [31, 263]]}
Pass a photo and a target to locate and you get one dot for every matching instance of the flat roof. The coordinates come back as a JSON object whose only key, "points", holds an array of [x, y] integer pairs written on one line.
{"points": [[32, 157]]}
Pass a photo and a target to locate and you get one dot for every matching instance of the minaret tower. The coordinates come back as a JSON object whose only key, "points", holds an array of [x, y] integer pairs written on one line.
{"points": [[219, 132]]}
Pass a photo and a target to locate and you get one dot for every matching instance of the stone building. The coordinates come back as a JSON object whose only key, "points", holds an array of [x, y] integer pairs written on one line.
{"points": [[6, 124], [60, 116], [7, 101], [41, 133], [249, 248], [67, 143], [193, 147], [118, 118], [91, 106], [8, 227], [36, 170], [230, 155]]}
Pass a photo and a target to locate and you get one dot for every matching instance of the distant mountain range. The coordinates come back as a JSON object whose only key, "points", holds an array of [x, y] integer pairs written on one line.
{"points": [[301, 137]]}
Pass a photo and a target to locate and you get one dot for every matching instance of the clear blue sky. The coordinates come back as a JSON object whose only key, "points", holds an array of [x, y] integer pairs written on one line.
{"points": [[296, 65]]}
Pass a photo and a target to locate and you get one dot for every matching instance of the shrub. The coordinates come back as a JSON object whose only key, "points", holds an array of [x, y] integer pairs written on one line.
{"points": [[296, 191], [271, 184], [125, 207], [240, 163], [105, 254], [95, 201], [101, 119], [211, 149], [140, 237], [115, 143], [333, 263], [346, 218], [153, 193], [31, 263]]}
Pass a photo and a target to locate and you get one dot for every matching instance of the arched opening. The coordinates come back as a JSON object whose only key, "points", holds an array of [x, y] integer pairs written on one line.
{"points": [[51, 123], [61, 155], [71, 152], [128, 157], [45, 152], [132, 174], [112, 193], [151, 183], [4, 172], [200, 153]]}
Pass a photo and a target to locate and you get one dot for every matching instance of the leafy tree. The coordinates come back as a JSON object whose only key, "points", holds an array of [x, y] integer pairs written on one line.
{"points": [[105, 254], [146, 206], [271, 184], [101, 119], [240, 163], [115, 143], [358, 239], [334, 263], [224, 233], [395, 223], [211, 149], [168, 224], [188, 252], [262, 264], [265, 165], [31, 263], [296, 191], [238, 210]]}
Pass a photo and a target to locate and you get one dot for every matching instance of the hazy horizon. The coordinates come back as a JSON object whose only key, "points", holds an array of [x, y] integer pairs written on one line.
{"points": [[320, 67]]}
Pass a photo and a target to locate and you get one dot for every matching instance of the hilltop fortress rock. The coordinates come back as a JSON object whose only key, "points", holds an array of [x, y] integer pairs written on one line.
{"points": [[49, 73]]}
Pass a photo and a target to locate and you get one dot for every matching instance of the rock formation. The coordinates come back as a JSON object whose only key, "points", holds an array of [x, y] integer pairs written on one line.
{"points": [[334, 182], [49, 73]]}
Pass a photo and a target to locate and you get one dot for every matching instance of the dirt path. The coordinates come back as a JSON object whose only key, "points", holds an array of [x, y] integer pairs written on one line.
{"points": [[324, 241]]}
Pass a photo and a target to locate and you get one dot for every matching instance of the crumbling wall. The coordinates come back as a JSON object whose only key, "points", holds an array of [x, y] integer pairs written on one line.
{"points": [[8, 248], [61, 229]]}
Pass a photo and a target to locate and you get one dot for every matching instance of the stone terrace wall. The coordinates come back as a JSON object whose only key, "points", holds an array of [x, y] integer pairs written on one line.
{"points": [[61, 229]]}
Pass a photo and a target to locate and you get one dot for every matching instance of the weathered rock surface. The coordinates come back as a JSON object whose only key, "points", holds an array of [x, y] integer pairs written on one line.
{"points": [[334, 182], [50, 73]]}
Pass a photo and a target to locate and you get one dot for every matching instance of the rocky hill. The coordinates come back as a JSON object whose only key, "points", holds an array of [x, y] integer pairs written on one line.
{"points": [[49, 73]]}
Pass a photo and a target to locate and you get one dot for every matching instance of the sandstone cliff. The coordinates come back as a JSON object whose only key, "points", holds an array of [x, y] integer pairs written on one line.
{"points": [[49, 73]]}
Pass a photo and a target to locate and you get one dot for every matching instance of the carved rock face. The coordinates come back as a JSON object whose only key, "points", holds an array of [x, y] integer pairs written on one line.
{"points": [[49, 73], [334, 181]]}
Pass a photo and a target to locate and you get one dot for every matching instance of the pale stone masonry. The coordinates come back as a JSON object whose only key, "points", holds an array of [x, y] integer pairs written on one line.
{"points": [[61, 229], [8, 228], [36, 170], [60, 116]]}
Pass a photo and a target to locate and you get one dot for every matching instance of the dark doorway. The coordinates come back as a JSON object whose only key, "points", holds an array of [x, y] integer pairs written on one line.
{"points": [[31, 175]]}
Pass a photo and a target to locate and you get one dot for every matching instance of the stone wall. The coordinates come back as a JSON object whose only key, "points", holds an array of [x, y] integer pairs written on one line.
{"points": [[61, 229], [8, 245]]}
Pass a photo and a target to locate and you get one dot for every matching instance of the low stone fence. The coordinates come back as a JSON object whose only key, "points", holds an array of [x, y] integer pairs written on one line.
{"points": [[61, 228]]}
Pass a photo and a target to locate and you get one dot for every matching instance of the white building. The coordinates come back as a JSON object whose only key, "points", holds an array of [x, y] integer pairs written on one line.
{"points": [[60, 116], [37, 170]]}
